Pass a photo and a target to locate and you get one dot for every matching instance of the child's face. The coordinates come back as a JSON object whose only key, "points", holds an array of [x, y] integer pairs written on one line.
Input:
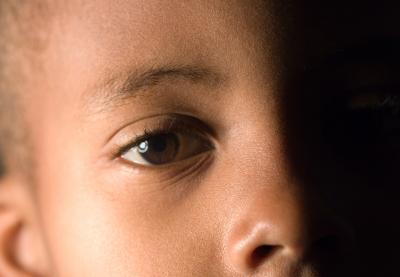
{"points": [[255, 151]]}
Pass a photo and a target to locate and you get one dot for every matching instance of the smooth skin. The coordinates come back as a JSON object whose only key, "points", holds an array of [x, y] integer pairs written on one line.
{"points": [[258, 188]]}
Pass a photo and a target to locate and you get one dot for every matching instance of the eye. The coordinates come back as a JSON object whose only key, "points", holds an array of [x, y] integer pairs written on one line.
{"points": [[365, 120], [165, 148], [376, 113], [375, 101]]}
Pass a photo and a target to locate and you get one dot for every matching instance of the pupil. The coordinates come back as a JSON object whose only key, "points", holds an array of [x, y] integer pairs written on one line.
{"points": [[159, 149], [159, 143]]}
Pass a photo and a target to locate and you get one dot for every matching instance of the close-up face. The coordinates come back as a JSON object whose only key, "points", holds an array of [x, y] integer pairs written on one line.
{"points": [[215, 138]]}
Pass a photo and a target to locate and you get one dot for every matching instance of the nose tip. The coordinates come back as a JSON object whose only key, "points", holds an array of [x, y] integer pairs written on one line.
{"points": [[261, 248], [251, 249], [283, 238]]}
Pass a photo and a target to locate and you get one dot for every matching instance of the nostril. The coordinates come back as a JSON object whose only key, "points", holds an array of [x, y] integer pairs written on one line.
{"points": [[328, 244], [330, 254], [331, 247], [261, 253]]}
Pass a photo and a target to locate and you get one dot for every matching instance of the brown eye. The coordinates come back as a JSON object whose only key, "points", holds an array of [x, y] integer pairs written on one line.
{"points": [[159, 149], [377, 112], [166, 148]]}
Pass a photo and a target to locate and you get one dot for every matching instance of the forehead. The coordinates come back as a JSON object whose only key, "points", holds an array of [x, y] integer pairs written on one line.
{"points": [[139, 31], [110, 36], [144, 31], [94, 41]]}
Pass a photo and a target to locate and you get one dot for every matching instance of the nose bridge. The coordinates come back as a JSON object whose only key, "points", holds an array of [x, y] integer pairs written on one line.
{"points": [[274, 201], [272, 215], [272, 191]]}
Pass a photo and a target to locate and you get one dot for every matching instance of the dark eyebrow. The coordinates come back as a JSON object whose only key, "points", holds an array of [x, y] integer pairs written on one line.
{"points": [[119, 88]]}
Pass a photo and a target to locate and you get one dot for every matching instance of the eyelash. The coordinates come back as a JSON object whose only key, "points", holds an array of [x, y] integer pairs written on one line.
{"points": [[174, 124]]}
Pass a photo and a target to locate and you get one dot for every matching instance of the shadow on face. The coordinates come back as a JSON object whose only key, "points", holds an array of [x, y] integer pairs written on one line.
{"points": [[342, 124]]}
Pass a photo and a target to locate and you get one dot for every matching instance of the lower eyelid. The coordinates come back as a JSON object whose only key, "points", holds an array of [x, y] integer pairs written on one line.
{"points": [[193, 167], [169, 176]]}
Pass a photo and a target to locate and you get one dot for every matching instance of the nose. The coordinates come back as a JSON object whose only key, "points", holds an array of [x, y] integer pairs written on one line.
{"points": [[280, 230]]}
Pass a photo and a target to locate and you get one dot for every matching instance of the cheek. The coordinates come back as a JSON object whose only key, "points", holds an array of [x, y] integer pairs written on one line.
{"points": [[93, 231], [82, 235]]}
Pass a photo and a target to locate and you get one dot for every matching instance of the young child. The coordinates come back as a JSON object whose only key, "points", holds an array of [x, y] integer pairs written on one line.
{"points": [[199, 138]]}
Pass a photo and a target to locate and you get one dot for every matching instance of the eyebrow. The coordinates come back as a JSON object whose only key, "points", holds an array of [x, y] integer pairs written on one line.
{"points": [[119, 88]]}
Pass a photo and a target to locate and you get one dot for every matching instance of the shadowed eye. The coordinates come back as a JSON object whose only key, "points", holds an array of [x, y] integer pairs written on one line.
{"points": [[375, 114], [375, 102], [164, 148]]}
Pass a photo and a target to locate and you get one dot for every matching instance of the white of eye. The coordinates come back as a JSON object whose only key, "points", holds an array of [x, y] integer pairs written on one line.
{"points": [[134, 154]]}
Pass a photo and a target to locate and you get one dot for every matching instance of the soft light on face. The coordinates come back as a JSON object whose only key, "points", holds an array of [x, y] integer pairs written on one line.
{"points": [[174, 139]]}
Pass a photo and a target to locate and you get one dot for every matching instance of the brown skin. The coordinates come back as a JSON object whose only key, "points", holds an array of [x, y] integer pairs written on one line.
{"points": [[267, 195]]}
